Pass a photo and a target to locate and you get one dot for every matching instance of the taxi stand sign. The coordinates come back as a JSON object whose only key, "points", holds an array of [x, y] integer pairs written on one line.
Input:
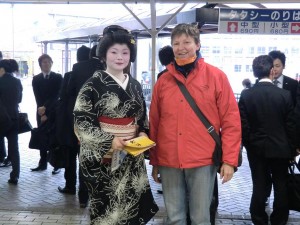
{"points": [[259, 21]]}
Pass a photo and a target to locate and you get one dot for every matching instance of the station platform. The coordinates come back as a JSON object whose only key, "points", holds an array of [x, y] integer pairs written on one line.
{"points": [[37, 201]]}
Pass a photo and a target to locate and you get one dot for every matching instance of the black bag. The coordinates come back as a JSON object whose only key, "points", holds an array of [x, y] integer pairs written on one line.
{"points": [[58, 156], [293, 189], [39, 138], [24, 124]]}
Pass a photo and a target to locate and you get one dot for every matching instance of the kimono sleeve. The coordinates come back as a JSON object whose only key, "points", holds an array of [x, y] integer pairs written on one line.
{"points": [[94, 143]]}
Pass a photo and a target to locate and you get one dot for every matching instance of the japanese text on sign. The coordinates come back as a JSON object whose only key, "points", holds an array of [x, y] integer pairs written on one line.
{"points": [[259, 21]]}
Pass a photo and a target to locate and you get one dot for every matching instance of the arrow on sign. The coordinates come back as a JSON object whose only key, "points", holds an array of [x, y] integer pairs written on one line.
{"points": [[232, 27], [295, 28]]}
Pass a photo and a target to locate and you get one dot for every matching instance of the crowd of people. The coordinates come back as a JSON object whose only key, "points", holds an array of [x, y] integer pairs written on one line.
{"points": [[92, 110]]}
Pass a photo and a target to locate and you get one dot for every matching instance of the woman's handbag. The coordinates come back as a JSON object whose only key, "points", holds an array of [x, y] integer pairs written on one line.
{"points": [[24, 124], [293, 188]]}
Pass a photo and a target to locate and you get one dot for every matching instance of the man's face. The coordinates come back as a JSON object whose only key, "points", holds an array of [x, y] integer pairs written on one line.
{"points": [[46, 65], [277, 67]]}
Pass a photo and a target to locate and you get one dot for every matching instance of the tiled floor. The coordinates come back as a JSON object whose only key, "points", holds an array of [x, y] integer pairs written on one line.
{"points": [[36, 200]]}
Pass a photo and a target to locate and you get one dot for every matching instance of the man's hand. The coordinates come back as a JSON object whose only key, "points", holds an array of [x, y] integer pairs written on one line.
{"points": [[41, 110], [155, 173], [226, 172], [44, 118]]}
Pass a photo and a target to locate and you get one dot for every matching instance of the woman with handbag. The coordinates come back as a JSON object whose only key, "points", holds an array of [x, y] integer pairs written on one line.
{"points": [[10, 96], [183, 155], [109, 109]]}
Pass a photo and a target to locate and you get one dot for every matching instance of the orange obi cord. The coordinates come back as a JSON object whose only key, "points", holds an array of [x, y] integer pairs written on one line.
{"points": [[116, 121]]}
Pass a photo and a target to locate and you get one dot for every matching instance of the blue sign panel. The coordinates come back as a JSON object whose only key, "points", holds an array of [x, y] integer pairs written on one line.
{"points": [[259, 21]]}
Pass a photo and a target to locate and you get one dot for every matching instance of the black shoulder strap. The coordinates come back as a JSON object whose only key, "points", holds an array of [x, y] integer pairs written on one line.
{"points": [[201, 116]]}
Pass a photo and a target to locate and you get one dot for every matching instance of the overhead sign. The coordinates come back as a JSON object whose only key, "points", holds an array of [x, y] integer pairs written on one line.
{"points": [[259, 21]]}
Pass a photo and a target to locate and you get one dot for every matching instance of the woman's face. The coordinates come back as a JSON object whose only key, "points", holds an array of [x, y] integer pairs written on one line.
{"points": [[184, 46], [117, 57]]}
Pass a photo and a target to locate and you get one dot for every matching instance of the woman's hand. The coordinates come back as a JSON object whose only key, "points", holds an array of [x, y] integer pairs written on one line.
{"points": [[155, 174], [118, 143], [142, 134]]}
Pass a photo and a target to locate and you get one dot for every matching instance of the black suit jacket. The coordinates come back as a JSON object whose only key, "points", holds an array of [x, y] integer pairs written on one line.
{"points": [[64, 116], [81, 72], [11, 94], [268, 122], [46, 91], [291, 85]]}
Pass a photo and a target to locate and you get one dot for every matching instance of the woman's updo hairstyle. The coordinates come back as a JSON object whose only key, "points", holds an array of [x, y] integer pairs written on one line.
{"points": [[115, 34]]}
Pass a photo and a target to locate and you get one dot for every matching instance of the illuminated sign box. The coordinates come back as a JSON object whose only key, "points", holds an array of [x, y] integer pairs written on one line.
{"points": [[259, 21]]}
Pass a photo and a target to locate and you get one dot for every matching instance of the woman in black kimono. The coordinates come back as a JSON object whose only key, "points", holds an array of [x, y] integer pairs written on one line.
{"points": [[110, 109]]}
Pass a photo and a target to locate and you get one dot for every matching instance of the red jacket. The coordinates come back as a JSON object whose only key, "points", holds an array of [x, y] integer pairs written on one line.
{"points": [[181, 139]]}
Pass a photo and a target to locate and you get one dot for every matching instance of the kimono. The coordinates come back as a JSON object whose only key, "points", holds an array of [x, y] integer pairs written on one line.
{"points": [[124, 195]]}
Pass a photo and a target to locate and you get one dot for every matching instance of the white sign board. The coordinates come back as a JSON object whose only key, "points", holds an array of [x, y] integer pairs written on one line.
{"points": [[259, 21]]}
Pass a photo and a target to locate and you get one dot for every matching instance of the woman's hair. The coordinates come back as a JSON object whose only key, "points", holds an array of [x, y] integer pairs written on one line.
{"points": [[115, 34], [93, 52], [262, 66], [188, 29], [44, 56]]}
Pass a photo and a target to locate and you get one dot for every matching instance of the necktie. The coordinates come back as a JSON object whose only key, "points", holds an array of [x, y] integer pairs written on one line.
{"points": [[47, 76], [276, 82]]}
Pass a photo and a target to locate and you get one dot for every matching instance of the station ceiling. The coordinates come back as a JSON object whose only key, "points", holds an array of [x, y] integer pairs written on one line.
{"points": [[144, 18]]}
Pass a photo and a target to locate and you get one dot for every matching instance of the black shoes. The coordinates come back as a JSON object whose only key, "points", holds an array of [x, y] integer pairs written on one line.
{"points": [[39, 168], [13, 181], [83, 205], [56, 171], [159, 192], [66, 190]]}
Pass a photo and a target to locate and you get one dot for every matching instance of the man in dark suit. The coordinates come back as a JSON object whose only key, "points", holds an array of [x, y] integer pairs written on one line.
{"points": [[285, 83], [10, 97], [87, 64], [46, 86], [82, 71], [269, 136], [281, 80]]}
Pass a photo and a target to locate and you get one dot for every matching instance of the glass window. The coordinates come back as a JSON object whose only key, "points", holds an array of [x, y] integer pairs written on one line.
{"points": [[261, 50], [227, 50], [238, 51], [216, 50], [237, 68], [249, 68], [251, 50]]}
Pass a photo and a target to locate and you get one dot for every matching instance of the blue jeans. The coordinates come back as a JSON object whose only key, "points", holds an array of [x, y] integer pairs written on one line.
{"points": [[192, 186]]}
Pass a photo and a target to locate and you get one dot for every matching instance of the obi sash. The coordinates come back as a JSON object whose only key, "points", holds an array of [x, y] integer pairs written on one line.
{"points": [[120, 127]]}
